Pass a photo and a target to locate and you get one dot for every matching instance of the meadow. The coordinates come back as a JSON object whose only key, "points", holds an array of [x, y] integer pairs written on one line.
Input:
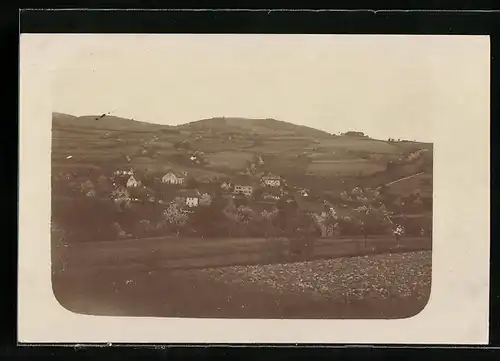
{"points": [[344, 167]]}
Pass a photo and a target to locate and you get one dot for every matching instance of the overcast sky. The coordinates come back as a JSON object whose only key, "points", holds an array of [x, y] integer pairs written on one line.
{"points": [[385, 86]]}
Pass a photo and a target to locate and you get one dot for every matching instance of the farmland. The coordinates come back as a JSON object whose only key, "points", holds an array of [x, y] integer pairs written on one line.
{"points": [[343, 167], [396, 285], [231, 160], [361, 144]]}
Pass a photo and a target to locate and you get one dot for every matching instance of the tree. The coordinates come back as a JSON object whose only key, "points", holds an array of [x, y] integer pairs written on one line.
{"points": [[87, 187], [244, 214], [232, 217], [330, 223], [349, 226], [121, 197], [210, 220], [205, 199], [301, 231], [269, 218], [176, 217]]}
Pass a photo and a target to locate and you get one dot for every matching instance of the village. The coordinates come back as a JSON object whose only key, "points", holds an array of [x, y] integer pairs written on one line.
{"points": [[248, 203]]}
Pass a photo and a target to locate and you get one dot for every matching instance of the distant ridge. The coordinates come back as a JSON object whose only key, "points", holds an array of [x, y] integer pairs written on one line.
{"points": [[264, 126], [103, 121]]}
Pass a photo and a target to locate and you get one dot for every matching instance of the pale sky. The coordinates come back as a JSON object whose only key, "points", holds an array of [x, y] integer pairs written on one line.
{"points": [[385, 86]]}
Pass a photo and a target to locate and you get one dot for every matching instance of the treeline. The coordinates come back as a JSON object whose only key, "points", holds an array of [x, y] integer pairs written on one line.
{"points": [[88, 219]]}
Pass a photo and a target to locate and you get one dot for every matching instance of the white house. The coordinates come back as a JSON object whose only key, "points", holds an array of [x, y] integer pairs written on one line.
{"points": [[174, 178], [189, 197], [272, 180], [246, 189], [244, 184], [132, 182]]}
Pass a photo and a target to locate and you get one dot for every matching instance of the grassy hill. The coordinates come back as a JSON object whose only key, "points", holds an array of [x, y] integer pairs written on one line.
{"points": [[104, 122], [229, 145], [267, 127]]}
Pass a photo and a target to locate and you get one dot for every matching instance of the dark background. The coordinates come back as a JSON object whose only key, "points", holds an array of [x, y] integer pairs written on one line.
{"points": [[358, 22]]}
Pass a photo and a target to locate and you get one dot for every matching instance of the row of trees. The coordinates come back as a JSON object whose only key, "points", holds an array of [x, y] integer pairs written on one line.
{"points": [[86, 219]]}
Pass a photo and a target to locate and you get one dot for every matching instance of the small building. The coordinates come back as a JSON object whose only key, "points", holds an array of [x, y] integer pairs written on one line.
{"points": [[174, 178], [246, 189], [188, 197], [271, 180], [132, 182], [244, 185]]}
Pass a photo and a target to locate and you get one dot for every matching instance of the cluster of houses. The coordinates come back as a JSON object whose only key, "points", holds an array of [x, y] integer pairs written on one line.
{"points": [[242, 185]]}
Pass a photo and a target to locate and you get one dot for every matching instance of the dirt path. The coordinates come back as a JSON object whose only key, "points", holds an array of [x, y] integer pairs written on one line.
{"points": [[404, 178]]}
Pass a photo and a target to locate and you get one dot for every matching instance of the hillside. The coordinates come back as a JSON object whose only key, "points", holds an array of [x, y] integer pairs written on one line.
{"points": [[103, 121], [226, 146]]}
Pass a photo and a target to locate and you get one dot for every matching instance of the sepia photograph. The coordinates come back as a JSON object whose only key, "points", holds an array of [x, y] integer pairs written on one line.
{"points": [[295, 191], [257, 177]]}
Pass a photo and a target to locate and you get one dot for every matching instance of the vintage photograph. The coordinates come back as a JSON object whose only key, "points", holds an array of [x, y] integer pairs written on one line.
{"points": [[244, 177]]}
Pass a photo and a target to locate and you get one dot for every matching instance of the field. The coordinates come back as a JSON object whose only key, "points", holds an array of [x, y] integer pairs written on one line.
{"points": [[231, 160], [236, 278], [361, 144], [344, 167], [395, 286]]}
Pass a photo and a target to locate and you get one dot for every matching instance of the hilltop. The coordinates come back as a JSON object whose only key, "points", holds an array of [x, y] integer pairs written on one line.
{"points": [[254, 126]]}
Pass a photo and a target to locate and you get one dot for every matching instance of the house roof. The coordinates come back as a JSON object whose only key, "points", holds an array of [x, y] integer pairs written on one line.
{"points": [[188, 193], [271, 176], [177, 174]]}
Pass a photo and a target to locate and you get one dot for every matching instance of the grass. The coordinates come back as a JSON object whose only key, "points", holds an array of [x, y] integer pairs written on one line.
{"points": [[360, 144], [173, 253], [342, 167], [229, 159]]}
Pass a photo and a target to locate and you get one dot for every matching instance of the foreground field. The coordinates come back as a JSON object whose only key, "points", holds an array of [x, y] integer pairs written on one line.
{"points": [[191, 253], [356, 278], [371, 286]]}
